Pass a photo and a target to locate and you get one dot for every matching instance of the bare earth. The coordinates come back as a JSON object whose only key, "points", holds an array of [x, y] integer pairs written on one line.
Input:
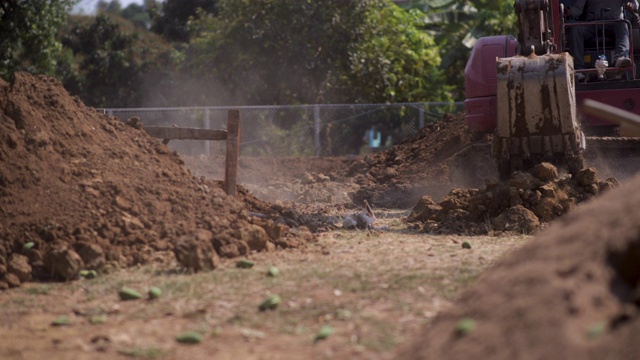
{"points": [[376, 289], [82, 192]]}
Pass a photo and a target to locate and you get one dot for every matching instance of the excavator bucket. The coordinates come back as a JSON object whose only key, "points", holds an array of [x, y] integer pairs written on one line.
{"points": [[537, 118]]}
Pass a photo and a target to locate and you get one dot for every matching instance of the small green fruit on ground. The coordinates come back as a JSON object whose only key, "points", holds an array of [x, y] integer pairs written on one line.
{"points": [[245, 264], [88, 274], [190, 337], [270, 303], [129, 294], [324, 333], [273, 271], [154, 292], [466, 245], [61, 321], [98, 319], [465, 326]]}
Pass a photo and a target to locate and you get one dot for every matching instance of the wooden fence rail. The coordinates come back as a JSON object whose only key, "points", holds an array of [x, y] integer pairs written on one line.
{"points": [[231, 135]]}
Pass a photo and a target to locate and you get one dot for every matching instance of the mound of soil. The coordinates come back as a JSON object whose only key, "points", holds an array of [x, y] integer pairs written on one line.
{"points": [[399, 176], [80, 190], [394, 178], [522, 204], [571, 293]]}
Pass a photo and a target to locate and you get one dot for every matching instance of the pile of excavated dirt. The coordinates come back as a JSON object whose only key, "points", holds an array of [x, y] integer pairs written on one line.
{"points": [[523, 204], [80, 190], [399, 176], [411, 175], [573, 292]]}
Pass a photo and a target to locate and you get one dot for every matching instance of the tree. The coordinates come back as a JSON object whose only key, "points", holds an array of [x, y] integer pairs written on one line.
{"points": [[113, 66], [112, 7], [28, 40], [137, 14], [457, 25], [341, 51], [172, 20]]}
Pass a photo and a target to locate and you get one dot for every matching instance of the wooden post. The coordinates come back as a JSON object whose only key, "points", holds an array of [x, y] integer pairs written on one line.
{"points": [[233, 151]]}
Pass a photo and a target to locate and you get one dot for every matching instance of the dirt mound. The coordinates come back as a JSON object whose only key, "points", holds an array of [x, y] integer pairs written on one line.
{"points": [[522, 204], [399, 176], [572, 293], [393, 178], [80, 190]]}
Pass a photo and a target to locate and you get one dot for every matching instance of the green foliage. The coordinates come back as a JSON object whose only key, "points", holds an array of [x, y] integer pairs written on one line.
{"points": [[28, 41], [457, 25], [110, 66], [137, 14], [172, 20], [111, 7], [397, 62], [340, 51]]}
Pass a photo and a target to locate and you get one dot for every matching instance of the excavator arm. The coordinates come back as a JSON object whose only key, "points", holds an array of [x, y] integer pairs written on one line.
{"points": [[534, 20], [536, 103]]}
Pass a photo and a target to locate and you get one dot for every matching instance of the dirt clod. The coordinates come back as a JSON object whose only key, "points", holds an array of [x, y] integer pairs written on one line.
{"points": [[19, 266], [523, 204], [195, 251]]}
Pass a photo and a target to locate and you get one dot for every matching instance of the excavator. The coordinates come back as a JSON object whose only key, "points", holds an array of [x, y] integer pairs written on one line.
{"points": [[523, 105]]}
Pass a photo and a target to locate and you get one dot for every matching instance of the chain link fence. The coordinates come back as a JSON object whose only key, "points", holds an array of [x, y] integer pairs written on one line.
{"points": [[298, 130]]}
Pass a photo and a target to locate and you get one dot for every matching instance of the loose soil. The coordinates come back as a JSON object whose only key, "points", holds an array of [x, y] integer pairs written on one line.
{"points": [[80, 191], [572, 293]]}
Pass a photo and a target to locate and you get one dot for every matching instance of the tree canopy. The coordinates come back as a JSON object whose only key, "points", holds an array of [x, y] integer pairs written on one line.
{"points": [[111, 64], [171, 21], [290, 51], [28, 40], [251, 51], [457, 25]]}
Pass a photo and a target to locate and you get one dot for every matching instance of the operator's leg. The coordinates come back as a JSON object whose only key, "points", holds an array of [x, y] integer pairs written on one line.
{"points": [[622, 45], [577, 37]]}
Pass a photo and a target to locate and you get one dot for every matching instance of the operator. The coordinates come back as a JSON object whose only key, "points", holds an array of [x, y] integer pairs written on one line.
{"points": [[593, 10]]}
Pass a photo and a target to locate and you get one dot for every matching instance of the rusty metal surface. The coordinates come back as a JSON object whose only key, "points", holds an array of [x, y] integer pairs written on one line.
{"points": [[536, 106]]}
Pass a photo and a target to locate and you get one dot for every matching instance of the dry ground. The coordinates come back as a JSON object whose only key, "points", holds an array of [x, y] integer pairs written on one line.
{"points": [[376, 289], [81, 191]]}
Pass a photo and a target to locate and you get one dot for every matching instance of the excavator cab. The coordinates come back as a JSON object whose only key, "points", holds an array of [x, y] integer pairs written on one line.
{"points": [[602, 45]]}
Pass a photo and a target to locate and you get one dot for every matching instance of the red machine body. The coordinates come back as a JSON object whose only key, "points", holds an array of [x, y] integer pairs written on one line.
{"points": [[621, 91]]}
